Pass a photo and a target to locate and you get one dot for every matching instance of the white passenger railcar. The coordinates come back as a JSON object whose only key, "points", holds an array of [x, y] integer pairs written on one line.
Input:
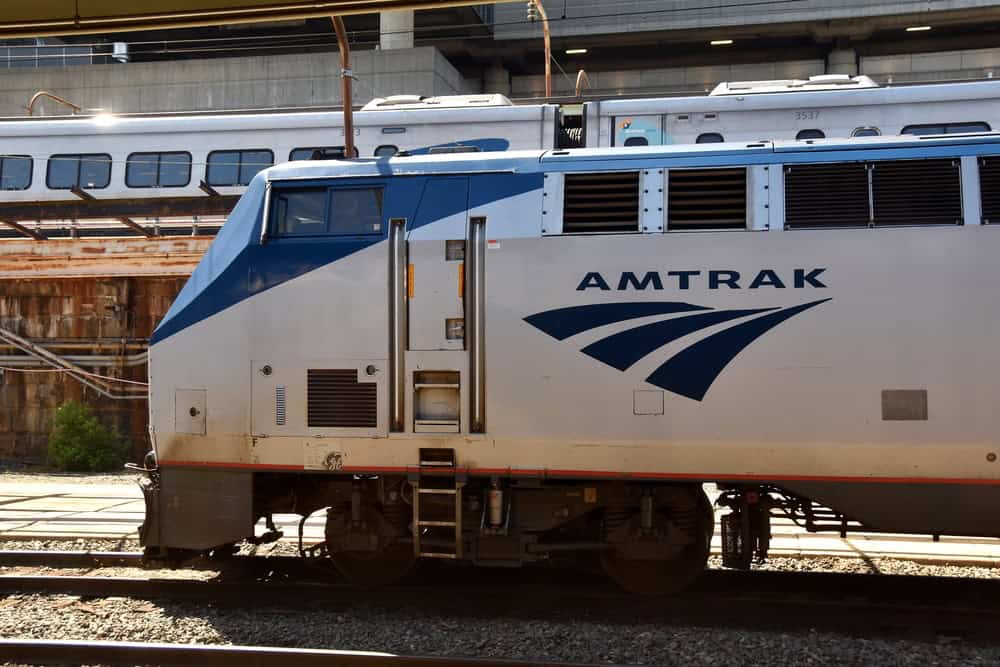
{"points": [[143, 156], [504, 358]]}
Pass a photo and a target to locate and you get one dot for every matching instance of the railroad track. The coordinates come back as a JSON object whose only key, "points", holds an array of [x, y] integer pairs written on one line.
{"points": [[870, 605], [41, 652]]}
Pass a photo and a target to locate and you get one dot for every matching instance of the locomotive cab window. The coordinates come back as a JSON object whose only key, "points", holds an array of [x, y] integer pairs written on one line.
{"points": [[90, 172], [326, 212], [15, 172], [236, 167], [300, 213], [355, 212], [158, 170]]}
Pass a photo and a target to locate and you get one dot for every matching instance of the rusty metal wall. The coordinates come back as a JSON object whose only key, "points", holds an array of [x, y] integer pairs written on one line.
{"points": [[106, 315]]}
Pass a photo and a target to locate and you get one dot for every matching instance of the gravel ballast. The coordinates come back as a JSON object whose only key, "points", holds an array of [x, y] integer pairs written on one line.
{"points": [[578, 633]]}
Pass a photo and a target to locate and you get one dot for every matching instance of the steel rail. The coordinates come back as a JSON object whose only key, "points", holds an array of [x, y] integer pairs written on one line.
{"points": [[44, 652], [32, 558]]}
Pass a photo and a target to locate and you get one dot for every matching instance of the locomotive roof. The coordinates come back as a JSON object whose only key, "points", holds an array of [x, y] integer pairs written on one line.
{"points": [[584, 159]]}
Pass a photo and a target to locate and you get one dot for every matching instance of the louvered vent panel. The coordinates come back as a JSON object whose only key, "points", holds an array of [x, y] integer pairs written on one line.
{"points": [[826, 195], [279, 406], [337, 400], [989, 188], [917, 192], [607, 202], [707, 199]]}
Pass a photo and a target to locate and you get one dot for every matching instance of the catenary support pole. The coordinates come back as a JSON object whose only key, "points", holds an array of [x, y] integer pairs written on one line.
{"points": [[347, 78], [547, 40]]}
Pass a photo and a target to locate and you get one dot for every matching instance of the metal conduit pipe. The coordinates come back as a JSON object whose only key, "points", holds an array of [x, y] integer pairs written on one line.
{"points": [[83, 377], [44, 93], [89, 360]]}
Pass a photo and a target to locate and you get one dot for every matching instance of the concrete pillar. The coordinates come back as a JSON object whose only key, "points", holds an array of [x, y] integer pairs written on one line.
{"points": [[842, 61], [496, 79], [395, 30]]}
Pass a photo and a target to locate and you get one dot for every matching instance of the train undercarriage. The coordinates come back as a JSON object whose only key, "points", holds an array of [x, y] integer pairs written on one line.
{"points": [[649, 537]]}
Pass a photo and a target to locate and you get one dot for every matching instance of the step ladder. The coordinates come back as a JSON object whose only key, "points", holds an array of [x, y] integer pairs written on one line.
{"points": [[437, 527]]}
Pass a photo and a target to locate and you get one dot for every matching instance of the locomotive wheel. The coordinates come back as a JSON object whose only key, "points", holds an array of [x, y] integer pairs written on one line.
{"points": [[374, 569], [669, 575]]}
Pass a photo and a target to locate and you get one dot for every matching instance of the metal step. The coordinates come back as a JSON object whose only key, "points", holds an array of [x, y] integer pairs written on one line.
{"points": [[443, 492], [437, 524]]}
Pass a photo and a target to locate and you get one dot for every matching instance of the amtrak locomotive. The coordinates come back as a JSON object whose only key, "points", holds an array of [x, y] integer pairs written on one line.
{"points": [[510, 357]]}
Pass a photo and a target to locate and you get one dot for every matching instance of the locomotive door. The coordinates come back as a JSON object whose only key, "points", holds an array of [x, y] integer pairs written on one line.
{"points": [[431, 368], [318, 366]]}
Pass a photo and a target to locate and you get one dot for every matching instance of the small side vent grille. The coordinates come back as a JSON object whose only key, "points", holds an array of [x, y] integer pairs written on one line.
{"points": [[337, 400], [917, 192], [826, 195], [989, 188], [707, 199], [279, 406], [606, 202]]}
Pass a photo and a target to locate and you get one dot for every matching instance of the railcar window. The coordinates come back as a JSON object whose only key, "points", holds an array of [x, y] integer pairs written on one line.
{"points": [[319, 153], [809, 134], [15, 172], [947, 128], [236, 167], [300, 212], [989, 188], [355, 212], [866, 132], [91, 171], [158, 170], [386, 151], [603, 202], [637, 141], [707, 199], [885, 193], [709, 138], [447, 150]]}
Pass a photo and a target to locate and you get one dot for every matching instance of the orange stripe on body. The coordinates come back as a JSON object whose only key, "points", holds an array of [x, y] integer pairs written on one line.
{"points": [[610, 474]]}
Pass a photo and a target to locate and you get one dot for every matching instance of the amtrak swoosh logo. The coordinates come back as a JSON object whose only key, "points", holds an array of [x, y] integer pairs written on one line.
{"points": [[691, 371]]}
